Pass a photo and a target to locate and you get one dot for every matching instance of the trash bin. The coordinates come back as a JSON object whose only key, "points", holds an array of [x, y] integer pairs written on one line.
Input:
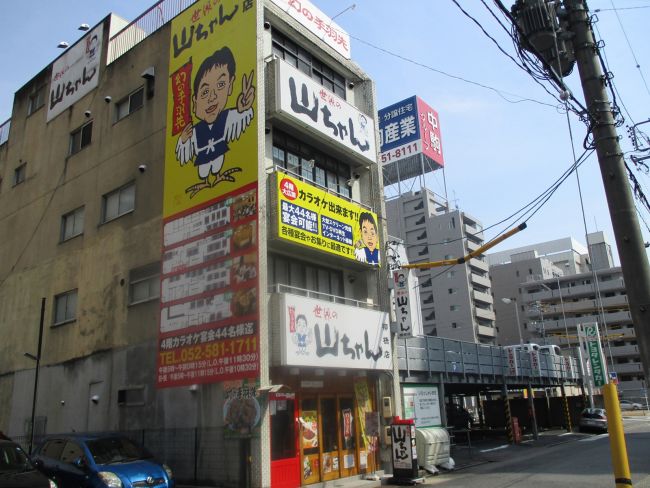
{"points": [[432, 444]]}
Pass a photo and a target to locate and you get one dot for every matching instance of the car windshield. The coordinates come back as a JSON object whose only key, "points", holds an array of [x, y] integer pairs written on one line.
{"points": [[13, 458], [115, 450]]}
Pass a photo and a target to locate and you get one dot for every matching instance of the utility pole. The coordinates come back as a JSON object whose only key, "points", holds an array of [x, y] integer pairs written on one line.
{"points": [[627, 232]]}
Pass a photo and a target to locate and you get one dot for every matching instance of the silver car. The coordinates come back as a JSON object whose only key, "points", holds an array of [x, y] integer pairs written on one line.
{"points": [[628, 405], [593, 419]]}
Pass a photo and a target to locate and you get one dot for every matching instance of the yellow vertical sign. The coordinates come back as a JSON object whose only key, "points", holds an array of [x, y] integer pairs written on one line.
{"points": [[211, 138]]}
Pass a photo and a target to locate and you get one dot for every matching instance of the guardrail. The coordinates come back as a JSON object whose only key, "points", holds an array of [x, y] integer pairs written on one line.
{"points": [[145, 25], [453, 358]]}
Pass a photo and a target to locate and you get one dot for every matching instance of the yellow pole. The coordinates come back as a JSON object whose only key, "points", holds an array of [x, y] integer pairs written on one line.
{"points": [[617, 446]]}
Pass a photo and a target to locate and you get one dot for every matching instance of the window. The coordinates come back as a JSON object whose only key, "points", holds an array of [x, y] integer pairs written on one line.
{"points": [[65, 307], [144, 283], [81, 138], [452, 291], [72, 224], [305, 161], [19, 174], [129, 104], [118, 202], [451, 274], [71, 452], [454, 308], [132, 396], [454, 325], [299, 58], [36, 100], [299, 274]]}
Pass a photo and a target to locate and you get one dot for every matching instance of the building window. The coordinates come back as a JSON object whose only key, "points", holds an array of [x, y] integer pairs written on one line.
{"points": [[452, 223], [307, 276], [19, 174], [301, 59], [129, 104], [72, 224], [451, 274], [454, 308], [452, 291], [454, 325], [81, 138], [132, 396], [118, 202], [303, 160], [36, 100], [144, 283], [65, 307]]}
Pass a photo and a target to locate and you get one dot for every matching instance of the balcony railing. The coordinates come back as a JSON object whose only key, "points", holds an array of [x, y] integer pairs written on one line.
{"points": [[145, 25], [293, 290]]}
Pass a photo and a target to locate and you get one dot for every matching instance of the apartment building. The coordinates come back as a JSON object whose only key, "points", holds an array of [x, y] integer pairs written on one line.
{"points": [[456, 301], [196, 196], [548, 296]]}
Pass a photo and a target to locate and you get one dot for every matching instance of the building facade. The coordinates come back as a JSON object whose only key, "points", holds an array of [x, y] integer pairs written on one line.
{"points": [[197, 198], [456, 303], [555, 293]]}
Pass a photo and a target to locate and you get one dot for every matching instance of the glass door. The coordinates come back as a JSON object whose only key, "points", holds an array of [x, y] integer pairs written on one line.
{"points": [[285, 461], [330, 445], [347, 437]]}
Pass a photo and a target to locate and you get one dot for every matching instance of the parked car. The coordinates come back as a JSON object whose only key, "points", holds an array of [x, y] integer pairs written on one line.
{"points": [[593, 419], [628, 405], [16, 471], [459, 417], [100, 461]]}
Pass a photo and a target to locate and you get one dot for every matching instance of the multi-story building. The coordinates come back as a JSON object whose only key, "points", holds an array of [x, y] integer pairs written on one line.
{"points": [[552, 294], [196, 196], [456, 302]]}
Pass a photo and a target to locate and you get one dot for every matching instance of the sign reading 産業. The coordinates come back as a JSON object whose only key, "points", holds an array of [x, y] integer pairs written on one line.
{"points": [[320, 110], [313, 217], [209, 314], [75, 73], [408, 128], [331, 335]]}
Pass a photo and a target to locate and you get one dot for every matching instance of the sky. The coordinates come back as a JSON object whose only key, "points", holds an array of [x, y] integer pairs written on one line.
{"points": [[500, 151]]}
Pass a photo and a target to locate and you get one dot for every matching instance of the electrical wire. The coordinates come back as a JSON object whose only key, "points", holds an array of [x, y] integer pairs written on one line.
{"points": [[627, 39], [500, 93]]}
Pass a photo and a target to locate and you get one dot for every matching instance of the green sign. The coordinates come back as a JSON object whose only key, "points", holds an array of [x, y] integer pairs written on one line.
{"points": [[595, 356]]}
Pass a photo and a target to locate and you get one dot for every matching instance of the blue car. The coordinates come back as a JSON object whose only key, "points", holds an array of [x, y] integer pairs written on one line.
{"points": [[101, 461]]}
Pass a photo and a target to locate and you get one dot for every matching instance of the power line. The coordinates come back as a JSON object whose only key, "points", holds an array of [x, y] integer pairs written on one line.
{"points": [[501, 93], [627, 39]]}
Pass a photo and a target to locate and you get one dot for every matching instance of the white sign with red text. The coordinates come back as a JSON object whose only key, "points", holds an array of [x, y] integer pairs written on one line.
{"points": [[331, 335], [318, 23]]}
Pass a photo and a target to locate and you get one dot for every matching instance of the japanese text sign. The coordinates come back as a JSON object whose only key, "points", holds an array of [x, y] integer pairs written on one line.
{"points": [[320, 110], [75, 73], [330, 335], [591, 336], [313, 217], [425, 410], [408, 128], [318, 23], [404, 303]]}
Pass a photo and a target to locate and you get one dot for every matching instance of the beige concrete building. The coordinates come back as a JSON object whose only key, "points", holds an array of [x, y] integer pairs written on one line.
{"points": [[141, 325]]}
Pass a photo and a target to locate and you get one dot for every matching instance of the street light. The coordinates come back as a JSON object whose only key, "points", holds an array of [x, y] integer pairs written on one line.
{"points": [[514, 300], [559, 289]]}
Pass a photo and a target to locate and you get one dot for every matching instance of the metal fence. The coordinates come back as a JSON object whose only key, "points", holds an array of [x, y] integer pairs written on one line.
{"points": [[145, 25], [458, 358], [199, 456]]}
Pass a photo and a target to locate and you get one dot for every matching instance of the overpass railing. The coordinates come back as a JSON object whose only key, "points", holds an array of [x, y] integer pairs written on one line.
{"points": [[437, 355]]}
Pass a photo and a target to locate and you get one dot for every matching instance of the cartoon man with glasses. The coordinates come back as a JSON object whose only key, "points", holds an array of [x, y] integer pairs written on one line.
{"points": [[207, 141]]}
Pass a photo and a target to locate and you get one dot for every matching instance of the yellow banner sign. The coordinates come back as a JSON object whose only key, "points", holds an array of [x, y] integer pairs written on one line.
{"points": [[313, 217], [211, 139]]}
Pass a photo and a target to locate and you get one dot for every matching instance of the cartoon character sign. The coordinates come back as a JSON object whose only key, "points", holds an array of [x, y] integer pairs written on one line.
{"points": [[303, 335], [206, 142], [366, 248]]}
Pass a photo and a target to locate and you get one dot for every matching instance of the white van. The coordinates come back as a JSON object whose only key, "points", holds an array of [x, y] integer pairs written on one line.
{"points": [[551, 349]]}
